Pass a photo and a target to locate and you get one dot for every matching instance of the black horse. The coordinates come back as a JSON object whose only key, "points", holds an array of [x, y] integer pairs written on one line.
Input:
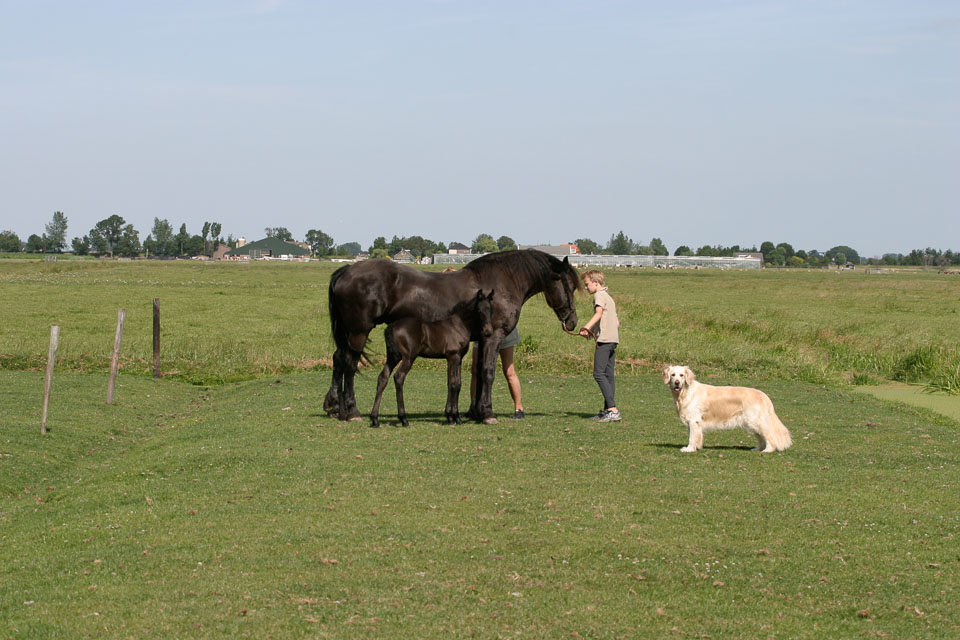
{"points": [[409, 338], [373, 292]]}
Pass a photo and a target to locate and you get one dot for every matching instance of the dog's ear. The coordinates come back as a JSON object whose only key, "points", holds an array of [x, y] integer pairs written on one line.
{"points": [[666, 374], [689, 374]]}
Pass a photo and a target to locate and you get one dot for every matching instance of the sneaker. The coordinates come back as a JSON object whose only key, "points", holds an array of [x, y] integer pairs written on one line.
{"points": [[599, 416], [611, 416], [519, 414]]}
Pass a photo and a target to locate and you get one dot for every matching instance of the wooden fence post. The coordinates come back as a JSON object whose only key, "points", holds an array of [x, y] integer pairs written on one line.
{"points": [[51, 359], [156, 337], [115, 363]]}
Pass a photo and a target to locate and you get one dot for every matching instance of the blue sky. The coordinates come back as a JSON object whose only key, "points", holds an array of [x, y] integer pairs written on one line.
{"points": [[817, 123]]}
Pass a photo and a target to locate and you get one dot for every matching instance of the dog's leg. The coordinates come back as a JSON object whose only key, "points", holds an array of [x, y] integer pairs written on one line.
{"points": [[695, 437], [763, 445]]}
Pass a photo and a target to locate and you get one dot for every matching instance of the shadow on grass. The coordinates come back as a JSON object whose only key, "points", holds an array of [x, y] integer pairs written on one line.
{"points": [[719, 447]]}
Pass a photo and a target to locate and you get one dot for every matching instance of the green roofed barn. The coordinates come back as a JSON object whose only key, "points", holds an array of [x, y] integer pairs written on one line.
{"points": [[269, 248]]}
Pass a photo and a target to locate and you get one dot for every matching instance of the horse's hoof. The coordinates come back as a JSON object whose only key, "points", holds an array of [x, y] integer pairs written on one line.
{"points": [[354, 418], [374, 425], [491, 420]]}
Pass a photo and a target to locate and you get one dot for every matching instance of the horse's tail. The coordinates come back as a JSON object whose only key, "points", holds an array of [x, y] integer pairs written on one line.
{"points": [[337, 326]]}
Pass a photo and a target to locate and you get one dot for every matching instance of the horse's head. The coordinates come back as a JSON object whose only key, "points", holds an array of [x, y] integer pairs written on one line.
{"points": [[564, 282], [483, 314]]}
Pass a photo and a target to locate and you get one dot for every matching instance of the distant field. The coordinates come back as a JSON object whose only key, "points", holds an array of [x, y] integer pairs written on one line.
{"points": [[227, 321], [221, 502]]}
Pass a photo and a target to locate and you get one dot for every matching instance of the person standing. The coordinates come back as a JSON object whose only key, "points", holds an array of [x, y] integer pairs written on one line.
{"points": [[604, 328]]}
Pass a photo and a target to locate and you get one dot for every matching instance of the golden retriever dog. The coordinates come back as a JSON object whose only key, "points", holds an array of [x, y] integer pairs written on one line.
{"points": [[704, 408]]}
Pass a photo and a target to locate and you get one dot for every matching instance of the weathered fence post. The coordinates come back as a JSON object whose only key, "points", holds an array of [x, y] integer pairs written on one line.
{"points": [[156, 337], [51, 359], [115, 363]]}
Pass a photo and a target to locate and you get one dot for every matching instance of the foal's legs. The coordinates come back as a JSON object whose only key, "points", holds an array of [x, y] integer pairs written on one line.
{"points": [[452, 410], [398, 379], [382, 381], [490, 348]]}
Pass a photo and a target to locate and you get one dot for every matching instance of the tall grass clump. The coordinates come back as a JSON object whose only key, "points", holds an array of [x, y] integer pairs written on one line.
{"points": [[945, 373]]}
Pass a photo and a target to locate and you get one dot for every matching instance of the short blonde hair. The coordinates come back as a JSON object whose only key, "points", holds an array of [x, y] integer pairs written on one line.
{"points": [[594, 276]]}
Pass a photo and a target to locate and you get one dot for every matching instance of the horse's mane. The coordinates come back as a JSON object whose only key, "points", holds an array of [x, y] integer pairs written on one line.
{"points": [[537, 267]]}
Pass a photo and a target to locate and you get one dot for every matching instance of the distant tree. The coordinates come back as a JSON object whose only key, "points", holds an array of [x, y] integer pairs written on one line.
{"points": [[840, 258], [194, 245], [683, 250], [483, 243], [10, 242], [160, 241], [35, 244], [181, 240], [378, 243], [801, 254], [777, 257], [851, 255], [215, 240], [766, 248], [129, 244], [57, 233], [320, 243], [418, 246], [786, 248], [658, 248], [506, 243], [351, 248], [620, 245], [281, 233], [587, 246], [379, 252], [106, 234], [795, 261], [394, 246], [706, 250], [81, 246]]}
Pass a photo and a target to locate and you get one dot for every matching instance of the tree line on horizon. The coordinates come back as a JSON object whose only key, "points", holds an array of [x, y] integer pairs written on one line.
{"points": [[114, 237]]}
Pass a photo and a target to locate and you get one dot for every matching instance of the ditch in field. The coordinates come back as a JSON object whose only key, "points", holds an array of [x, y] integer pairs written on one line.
{"points": [[914, 395]]}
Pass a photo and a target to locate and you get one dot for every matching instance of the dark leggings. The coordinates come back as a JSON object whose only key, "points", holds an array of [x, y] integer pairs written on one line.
{"points": [[603, 360]]}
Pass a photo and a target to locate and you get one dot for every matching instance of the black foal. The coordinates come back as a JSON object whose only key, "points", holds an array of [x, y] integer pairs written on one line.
{"points": [[409, 338]]}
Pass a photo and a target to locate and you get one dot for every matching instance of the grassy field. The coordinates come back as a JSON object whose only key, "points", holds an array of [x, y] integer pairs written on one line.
{"points": [[227, 322], [220, 501]]}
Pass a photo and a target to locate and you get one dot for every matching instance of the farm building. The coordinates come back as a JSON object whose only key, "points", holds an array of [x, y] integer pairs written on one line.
{"points": [[403, 256], [559, 250], [274, 248]]}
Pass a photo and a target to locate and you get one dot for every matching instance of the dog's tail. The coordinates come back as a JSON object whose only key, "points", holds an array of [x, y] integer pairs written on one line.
{"points": [[779, 435]]}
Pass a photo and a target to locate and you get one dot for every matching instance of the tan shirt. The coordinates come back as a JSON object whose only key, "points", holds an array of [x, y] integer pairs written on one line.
{"points": [[609, 324]]}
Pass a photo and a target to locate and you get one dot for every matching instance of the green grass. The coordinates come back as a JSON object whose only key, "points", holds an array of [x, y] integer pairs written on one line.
{"points": [[220, 501], [226, 322], [184, 511]]}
